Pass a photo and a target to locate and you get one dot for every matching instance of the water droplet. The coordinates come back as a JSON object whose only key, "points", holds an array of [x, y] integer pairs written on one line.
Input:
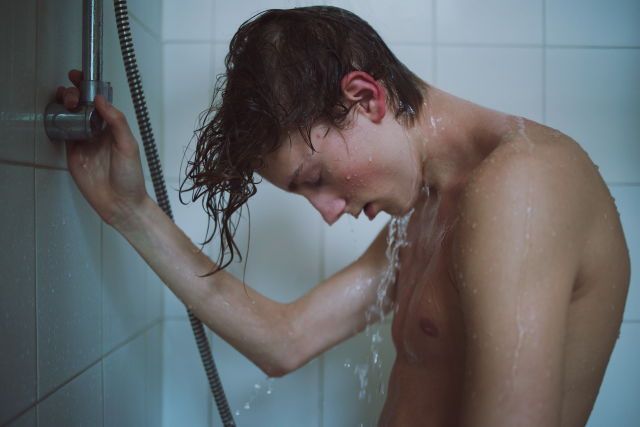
{"points": [[247, 406], [257, 386]]}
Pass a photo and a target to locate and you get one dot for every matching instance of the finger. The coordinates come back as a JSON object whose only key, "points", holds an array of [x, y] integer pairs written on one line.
{"points": [[60, 94], [114, 118], [76, 77], [71, 98]]}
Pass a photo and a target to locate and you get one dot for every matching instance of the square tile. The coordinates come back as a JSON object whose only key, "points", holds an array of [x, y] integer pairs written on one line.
{"points": [[68, 280], [125, 385], [186, 397], [493, 21], [628, 203], [353, 384], [507, 79], [187, 20], [123, 289], [593, 95], [18, 77], [18, 291], [78, 403], [617, 402], [228, 16], [593, 23], [184, 100], [411, 21]]}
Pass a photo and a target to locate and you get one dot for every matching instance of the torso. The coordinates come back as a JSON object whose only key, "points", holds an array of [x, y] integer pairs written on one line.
{"points": [[428, 327]]}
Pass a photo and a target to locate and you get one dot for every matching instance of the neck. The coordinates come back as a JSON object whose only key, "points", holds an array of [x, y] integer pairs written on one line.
{"points": [[452, 137]]}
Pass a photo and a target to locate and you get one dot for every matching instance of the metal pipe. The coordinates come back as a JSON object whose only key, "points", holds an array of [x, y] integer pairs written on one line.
{"points": [[84, 122]]}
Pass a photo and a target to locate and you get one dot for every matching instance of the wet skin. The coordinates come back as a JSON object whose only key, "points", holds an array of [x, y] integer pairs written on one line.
{"points": [[437, 299]]}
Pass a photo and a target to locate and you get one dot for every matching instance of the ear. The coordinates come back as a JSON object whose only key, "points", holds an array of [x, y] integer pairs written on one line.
{"points": [[360, 87]]}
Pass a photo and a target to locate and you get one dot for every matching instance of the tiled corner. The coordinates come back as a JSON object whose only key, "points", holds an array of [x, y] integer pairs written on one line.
{"points": [[153, 366], [595, 23], [123, 289], [342, 387], [288, 272], [59, 49], [125, 374], [187, 78], [628, 203], [246, 388], [186, 395], [68, 280], [492, 21], [411, 21], [617, 402], [507, 79], [187, 20], [346, 240], [17, 293], [17, 74], [593, 95], [77, 403]]}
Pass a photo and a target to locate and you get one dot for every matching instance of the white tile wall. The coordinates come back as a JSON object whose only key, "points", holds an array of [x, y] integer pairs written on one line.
{"points": [[507, 79], [187, 20], [68, 280], [18, 71], [593, 22], [186, 396], [293, 400], [125, 378], [493, 21], [187, 83], [123, 290], [17, 293], [594, 96], [77, 403], [412, 20], [51, 303]]}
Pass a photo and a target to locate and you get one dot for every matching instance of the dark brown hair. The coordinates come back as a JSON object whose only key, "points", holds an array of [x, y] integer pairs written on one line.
{"points": [[283, 73]]}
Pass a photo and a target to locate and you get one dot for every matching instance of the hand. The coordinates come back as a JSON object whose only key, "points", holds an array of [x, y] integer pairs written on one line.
{"points": [[107, 168]]}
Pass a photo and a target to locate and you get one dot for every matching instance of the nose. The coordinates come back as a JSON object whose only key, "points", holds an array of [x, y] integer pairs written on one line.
{"points": [[330, 207]]}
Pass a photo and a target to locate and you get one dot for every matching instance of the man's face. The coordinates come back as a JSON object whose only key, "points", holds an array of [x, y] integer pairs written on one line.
{"points": [[369, 167]]}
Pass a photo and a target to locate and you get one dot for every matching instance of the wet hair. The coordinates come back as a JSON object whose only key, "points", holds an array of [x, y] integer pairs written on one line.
{"points": [[283, 74]]}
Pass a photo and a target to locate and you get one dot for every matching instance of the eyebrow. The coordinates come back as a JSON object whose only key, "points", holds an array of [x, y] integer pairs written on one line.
{"points": [[292, 181]]}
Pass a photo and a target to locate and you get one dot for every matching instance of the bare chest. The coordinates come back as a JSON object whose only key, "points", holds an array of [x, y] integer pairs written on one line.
{"points": [[427, 328]]}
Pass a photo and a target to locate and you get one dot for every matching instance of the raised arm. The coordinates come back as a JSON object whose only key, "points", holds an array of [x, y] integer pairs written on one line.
{"points": [[277, 337]]}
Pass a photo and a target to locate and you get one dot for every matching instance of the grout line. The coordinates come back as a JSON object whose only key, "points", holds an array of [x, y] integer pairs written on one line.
{"points": [[321, 361], [31, 165], [35, 280], [101, 329], [544, 61], [38, 401]]}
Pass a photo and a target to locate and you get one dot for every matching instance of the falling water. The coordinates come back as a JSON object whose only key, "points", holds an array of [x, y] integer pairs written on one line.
{"points": [[396, 239]]}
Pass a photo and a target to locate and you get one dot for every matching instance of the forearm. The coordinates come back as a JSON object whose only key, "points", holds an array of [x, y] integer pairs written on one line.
{"points": [[256, 326]]}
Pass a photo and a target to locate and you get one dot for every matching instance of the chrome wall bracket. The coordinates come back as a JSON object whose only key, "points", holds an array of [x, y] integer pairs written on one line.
{"points": [[84, 122]]}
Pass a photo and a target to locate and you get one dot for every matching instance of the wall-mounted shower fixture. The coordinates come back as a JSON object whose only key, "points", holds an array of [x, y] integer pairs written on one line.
{"points": [[84, 122]]}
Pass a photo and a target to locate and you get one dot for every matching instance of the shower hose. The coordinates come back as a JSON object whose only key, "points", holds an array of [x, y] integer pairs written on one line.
{"points": [[159, 186]]}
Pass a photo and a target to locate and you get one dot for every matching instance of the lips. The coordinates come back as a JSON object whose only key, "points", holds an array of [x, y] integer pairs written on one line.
{"points": [[370, 211]]}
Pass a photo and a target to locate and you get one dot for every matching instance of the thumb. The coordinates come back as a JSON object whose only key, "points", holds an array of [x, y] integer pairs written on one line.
{"points": [[115, 118]]}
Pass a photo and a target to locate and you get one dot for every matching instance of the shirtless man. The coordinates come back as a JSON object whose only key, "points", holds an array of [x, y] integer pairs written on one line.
{"points": [[511, 289]]}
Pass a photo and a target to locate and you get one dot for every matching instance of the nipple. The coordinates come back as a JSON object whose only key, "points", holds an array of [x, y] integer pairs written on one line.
{"points": [[428, 327]]}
